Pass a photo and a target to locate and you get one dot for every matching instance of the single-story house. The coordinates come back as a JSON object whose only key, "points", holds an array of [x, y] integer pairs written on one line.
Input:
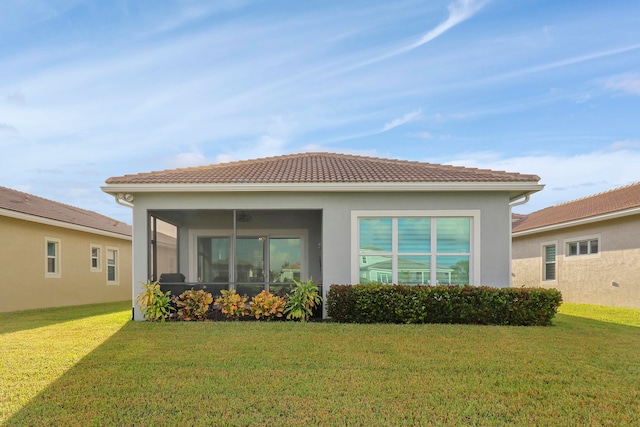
{"points": [[588, 249], [52, 254], [243, 225]]}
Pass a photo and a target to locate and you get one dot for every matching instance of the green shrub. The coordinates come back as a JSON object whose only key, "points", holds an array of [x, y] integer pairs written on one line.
{"points": [[379, 303], [266, 305], [231, 304], [302, 300], [154, 304], [193, 305], [341, 303]]}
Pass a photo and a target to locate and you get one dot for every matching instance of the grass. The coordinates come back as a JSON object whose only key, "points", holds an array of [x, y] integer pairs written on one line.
{"points": [[622, 316], [95, 367]]}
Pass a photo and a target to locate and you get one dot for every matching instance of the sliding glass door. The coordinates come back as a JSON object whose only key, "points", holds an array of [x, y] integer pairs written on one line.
{"points": [[260, 262], [284, 263], [213, 262], [250, 265]]}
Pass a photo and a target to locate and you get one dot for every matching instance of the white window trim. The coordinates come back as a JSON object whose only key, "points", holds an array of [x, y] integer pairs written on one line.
{"points": [[571, 258], [301, 234], [58, 273], [117, 253], [93, 269], [543, 262], [474, 214]]}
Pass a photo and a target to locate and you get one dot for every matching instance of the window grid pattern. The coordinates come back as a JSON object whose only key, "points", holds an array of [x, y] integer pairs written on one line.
{"points": [[95, 258], [549, 254], [52, 257], [415, 250], [112, 265], [583, 247]]}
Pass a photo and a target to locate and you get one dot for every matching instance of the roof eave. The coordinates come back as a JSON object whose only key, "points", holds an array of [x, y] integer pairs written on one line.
{"points": [[62, 224], [581, 221], [515, 188]]}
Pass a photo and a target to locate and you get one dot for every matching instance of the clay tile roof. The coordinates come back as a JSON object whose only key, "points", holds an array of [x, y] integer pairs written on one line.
{"points": [[321, 168], [24, 203], [615, 200], [517, 218]]}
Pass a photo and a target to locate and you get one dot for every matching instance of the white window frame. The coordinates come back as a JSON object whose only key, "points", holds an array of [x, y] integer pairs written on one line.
{"points": [[57, 258], [543, 260], [116, 252], [474, 244], [270, 233], [93, 269], [578, 256]]}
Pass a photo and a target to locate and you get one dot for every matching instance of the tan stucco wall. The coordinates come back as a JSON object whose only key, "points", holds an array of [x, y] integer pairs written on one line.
{"points": [[611, 277], [23, 284]]}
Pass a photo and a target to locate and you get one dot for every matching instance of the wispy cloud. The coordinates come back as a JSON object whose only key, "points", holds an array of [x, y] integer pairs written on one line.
{"points": [[563, 63], [627, 83], [401, 120], [185, 83], [422, 135], [607, 169], [16, 98], [626, 144], [459, 11], [186, 159], [8, 129]]}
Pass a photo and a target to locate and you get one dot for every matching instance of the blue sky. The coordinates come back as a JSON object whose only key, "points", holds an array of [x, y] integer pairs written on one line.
{"points": [[93, 89]]}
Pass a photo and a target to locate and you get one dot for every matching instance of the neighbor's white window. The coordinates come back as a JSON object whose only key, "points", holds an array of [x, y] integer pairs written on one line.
{"points": [[112, 266], [582, 247], [549, 262], [96, 264], [415, 250], [52, 257]]}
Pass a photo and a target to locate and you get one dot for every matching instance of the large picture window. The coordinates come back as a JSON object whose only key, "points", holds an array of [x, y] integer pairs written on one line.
{"points": [[415, 250]]}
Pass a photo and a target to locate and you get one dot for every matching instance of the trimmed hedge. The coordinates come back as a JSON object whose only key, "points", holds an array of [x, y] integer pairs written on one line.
{"points": [[483, 305]]}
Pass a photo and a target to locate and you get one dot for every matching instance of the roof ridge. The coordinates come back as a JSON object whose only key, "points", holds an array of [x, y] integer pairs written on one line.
{"points": [[321, 154]]}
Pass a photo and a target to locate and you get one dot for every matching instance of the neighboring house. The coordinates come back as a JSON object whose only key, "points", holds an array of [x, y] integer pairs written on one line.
{"points": [[589, 249], [243, 225], [52, 254]]}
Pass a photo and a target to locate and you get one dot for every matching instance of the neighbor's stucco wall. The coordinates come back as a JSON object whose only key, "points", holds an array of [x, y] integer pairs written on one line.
{"points": [[336, 257], [612, 277], [23, 267]]}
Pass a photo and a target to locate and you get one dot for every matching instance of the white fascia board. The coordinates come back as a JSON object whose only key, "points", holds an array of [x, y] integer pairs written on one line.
{"points": [[61, 224], [520, 188], [581, 221]]}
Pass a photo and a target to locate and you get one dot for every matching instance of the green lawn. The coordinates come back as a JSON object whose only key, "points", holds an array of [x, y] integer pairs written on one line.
{"points": [[89, 366]]}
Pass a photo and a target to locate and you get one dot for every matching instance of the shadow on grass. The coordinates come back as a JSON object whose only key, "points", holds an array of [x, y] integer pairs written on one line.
{"points": [[31, 319], [596, 323], [207, 373]]}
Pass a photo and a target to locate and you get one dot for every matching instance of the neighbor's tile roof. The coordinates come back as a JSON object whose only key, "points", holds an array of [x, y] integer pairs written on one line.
{"points": [[321, 168], [615, 200], [24, 203]]}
